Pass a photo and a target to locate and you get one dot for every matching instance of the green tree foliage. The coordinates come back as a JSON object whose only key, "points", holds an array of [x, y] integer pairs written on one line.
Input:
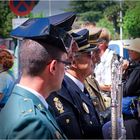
{"points": [[98, 11], [109, 25], [112, 13], [6, 16], [103, 10], [132, 22], [90, 16], [37, 15], [82, 6], [5, 19]]}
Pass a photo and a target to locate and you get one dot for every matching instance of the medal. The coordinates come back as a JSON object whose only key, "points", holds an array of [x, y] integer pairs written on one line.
{"points": [[85, 107]]}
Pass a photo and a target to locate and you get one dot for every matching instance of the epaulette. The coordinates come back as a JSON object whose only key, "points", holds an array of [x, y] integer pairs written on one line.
{"points": [[26, 107]]}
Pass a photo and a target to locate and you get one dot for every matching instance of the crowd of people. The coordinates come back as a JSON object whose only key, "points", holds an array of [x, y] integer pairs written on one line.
{"points": [[64, 90]]}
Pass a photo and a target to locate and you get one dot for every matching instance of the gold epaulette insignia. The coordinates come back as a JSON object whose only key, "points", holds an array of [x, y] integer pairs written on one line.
{"points": [[40, 107], [58, 105]]}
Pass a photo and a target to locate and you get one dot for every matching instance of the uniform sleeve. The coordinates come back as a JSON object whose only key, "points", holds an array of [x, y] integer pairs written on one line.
{"points": [[3, 86], [131, 86], [30, 128], [2, 83], [6, 85]]}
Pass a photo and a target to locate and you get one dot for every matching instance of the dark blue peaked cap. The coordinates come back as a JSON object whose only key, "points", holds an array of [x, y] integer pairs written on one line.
{"points": [[37, 27], [55, 36], [82, 38]]}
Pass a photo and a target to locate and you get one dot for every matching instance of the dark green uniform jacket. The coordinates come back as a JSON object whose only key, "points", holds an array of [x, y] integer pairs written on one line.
{"points": [[25, 117]]}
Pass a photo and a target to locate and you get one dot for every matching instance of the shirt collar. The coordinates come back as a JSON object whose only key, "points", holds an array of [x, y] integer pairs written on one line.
{"points": [[38, 95], [76, 81]]}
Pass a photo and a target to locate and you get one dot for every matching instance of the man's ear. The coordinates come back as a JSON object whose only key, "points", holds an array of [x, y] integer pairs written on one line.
{"points": [[74, 64], [53, 67]]}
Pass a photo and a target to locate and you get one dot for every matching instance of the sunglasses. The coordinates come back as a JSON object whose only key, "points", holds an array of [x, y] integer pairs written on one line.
{"points": [[66, 63]]}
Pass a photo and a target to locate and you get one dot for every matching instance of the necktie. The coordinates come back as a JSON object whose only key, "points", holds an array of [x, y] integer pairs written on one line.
{"points": [[86, 92], [95, 119]]}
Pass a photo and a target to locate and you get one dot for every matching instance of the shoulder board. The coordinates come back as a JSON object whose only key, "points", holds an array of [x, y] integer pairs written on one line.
{"points": [[26, 107]]}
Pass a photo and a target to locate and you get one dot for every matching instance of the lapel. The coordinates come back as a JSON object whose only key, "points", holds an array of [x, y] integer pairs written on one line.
{"points": [[65, 91], [86, 99], [75, 90], [93, 83], [27, 94]]}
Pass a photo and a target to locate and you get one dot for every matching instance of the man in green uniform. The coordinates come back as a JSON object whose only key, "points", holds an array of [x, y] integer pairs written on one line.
{"points": [[26, 115]]}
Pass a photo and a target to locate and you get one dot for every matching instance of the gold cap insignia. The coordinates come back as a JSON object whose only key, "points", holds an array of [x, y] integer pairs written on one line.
{"points": [[85, 107], [58, 105]]}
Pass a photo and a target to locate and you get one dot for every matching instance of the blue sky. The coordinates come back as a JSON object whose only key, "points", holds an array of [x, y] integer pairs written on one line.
{"points": [[56, 7]]}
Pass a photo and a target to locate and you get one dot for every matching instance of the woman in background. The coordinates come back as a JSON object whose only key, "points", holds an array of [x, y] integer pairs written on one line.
{"points": [[6, 78]]}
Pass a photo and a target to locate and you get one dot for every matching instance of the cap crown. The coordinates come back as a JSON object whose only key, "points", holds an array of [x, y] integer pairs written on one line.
{"points": [[48, 29], [81, 37], [38, 26]]}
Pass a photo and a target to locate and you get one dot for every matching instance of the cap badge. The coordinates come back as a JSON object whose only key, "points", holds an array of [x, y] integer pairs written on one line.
{"points": [[85, 107], [58, 105]]}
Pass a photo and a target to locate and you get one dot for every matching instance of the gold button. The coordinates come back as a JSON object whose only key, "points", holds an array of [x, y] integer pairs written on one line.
{"points": [[90, 122], [25, 99], [22, 112], [30, 110], [67, 120]]}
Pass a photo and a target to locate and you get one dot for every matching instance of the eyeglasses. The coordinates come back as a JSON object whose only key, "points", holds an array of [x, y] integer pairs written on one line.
{"points": [[66, 63]]}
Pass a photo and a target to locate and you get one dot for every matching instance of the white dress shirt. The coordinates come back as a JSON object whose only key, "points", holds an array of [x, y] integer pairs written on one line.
{"points": [[76, 81], [103, 69]]}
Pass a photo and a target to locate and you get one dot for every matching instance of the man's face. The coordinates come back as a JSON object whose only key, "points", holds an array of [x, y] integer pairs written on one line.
{"points": [[103, 46], [72, 50], [96, 56], [83, 63], [134, 55], [61, 64]]}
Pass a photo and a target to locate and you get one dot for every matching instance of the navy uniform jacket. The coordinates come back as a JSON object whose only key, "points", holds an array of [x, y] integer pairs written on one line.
{"points": [[25, 117], [75, 112]]}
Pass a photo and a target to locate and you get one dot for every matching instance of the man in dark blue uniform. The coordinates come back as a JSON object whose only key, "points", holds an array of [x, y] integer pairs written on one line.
{"points": [[74, 110]]}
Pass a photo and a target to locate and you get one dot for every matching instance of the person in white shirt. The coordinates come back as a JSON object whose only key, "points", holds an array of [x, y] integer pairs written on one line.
{"points": [[103, 68]]}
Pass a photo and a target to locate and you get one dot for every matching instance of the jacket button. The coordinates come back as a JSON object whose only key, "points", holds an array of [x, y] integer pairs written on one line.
{"points": [[90, 122], [67, 120]]}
